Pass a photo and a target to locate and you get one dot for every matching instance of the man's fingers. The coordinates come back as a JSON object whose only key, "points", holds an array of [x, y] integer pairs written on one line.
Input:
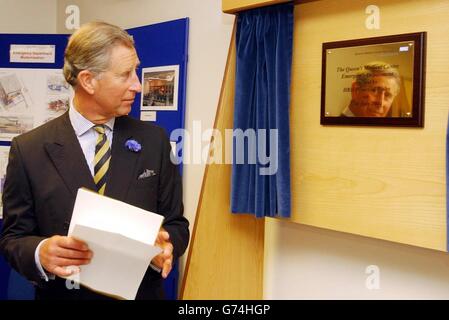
{"points": [[63, 262], [163, 236], [61, 272], [72, 243], [168, 250], [58, 252], [64, 272], [166, 268], [165, 258], [158, 261], [72, 254]]}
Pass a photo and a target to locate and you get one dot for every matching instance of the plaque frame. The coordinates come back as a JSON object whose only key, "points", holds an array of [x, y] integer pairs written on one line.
{"points": [[365, 46]]}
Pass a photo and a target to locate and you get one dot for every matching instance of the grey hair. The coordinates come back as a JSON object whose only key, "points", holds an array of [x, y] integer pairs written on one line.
{"points": [[377, 68], [89, 48]]}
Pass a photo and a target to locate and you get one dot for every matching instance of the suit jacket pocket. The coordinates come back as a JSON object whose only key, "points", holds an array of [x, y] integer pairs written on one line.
{"points": [[149, 182]]}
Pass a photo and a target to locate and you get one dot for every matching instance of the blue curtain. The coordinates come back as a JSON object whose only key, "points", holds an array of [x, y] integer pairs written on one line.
{"points": [[261, 164]]}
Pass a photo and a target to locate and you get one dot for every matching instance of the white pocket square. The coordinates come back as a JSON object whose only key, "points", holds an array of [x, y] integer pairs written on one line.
{"points": [[147, 173]]}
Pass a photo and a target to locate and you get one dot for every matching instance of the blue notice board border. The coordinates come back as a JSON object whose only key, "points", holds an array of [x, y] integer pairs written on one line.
{"points": [[164, 44]]}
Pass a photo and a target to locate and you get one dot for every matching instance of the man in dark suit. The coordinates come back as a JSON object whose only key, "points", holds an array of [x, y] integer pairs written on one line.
{"points": [[97, 146]]}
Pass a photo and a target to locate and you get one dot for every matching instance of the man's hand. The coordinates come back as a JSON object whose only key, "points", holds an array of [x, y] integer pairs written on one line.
{"points": [[164, 260], [58, 252]]}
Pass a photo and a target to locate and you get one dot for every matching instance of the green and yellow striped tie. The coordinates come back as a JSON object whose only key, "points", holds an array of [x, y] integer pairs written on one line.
{"points": [[102, 159]]}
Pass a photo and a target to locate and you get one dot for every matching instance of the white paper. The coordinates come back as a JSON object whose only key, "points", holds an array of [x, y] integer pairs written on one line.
{"points": [[148, 115], [32, 53], [121, 238]]}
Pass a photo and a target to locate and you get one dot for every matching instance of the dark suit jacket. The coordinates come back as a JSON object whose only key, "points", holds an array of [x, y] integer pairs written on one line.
{"points": [[47, 166]]}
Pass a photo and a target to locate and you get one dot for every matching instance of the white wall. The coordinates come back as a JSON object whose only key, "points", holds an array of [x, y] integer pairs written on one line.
{"points": [[303, 262], [28, 16]]}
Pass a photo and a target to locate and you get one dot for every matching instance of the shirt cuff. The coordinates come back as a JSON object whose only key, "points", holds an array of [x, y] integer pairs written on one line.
{"points": [[158, 270], [44, 275]]}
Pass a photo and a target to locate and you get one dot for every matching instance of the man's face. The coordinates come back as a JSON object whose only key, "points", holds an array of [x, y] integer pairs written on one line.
{"points": [[375, 98], [117, 87]]}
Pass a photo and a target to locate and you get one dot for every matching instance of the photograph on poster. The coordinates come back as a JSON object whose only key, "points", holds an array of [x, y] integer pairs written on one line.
{"points": [[58, 104], [56, 84], [374, 81], [12, 94], [15, 125], [160, 88]]}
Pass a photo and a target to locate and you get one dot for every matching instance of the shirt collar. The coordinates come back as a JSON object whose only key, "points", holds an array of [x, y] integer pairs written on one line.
{"points": [[81, 125]]}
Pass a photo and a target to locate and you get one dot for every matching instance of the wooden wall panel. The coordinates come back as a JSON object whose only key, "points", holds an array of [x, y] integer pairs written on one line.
{"points": [[232, 6], [225, 259], [386, 183]]}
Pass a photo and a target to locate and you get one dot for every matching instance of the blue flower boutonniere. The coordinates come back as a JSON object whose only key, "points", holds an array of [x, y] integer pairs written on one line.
{"points": [[133, 145]]}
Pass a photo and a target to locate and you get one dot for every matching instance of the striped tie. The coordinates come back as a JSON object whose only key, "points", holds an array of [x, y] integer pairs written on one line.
{"points": [[102, 159]]}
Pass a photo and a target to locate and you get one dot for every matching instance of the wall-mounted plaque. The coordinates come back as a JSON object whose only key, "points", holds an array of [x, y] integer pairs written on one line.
{"points": [[374, 81]]}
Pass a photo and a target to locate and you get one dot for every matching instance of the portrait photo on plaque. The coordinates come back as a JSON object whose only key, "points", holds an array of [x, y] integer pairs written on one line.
{"points": [[374, 81]]}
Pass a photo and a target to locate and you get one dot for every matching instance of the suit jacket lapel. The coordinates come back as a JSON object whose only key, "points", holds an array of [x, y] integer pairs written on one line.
{"points": [[68, 157], [123, 161]]}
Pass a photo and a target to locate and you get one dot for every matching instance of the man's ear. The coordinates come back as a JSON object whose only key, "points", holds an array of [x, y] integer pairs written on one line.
{"points": [[87, 81]]}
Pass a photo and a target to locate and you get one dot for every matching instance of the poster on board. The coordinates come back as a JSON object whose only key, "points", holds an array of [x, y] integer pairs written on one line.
{"points": [[29, 98]]}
